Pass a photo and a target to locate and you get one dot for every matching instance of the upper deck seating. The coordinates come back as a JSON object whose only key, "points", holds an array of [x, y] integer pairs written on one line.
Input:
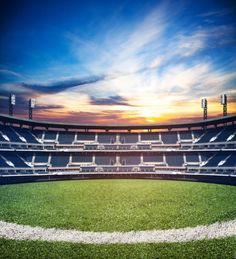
{"points": [[185, 135], [225, 134], [169, 137], [174, 159], [208, 136], [11, 134], [85, 136], [128, 138], [197, 133], [38, 133], [28, 135], [50, 135], [2, 138], [106, 138], [232, 138], [150, 136], [66, 137], [59, 160]]}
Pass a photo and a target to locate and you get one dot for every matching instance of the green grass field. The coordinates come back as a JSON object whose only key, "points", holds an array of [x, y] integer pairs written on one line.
{"points": [[117, 205]]}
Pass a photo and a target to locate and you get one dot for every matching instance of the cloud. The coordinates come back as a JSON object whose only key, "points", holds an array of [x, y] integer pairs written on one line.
{"points": [[62, 85], [48, 107], [111, 100], [6, 72], [221, 12]]}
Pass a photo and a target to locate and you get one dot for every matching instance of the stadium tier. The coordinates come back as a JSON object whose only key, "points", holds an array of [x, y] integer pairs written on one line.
{"points": [[30, 147]]}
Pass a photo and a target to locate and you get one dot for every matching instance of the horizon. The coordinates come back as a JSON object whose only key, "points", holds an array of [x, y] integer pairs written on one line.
{"points": [[118, 63]]}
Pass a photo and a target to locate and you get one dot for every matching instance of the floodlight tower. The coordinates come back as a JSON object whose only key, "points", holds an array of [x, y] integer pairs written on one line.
{"points": [[12, 103], [204, 107], [223, 100], [32, 103]]}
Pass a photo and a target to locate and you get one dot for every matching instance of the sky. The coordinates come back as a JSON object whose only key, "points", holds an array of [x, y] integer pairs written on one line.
{"points": [[117, 62]]}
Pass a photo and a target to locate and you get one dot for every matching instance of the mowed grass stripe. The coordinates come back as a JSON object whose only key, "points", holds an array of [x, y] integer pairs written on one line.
{"points": [[117, 205]]}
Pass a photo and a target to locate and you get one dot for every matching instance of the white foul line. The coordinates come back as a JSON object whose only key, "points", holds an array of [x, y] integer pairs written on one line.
{"points": [[24, 232]]}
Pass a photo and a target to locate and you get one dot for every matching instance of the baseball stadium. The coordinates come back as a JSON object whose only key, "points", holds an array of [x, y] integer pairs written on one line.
{"points": [[117, 129]]}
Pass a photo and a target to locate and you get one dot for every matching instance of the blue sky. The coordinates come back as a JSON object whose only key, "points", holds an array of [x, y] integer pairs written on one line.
{"points": [[128, 61]]}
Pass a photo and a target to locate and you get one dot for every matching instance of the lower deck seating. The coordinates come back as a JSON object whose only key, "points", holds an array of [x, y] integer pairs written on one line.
{"points": [[59, 160], [116, 161], [215, 160], [174, 160], [130, 160], [16, 160], [105, 159]]}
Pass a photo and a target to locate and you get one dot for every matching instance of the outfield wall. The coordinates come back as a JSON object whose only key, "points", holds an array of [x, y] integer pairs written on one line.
{"points": [[218, 179]]}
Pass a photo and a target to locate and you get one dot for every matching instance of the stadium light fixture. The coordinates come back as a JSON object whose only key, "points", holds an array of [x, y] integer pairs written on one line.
{"points": [[32, 103], [204, 107], [12, 103], [223, 101]]}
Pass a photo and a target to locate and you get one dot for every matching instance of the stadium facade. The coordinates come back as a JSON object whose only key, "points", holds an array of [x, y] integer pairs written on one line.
{"points": [[32, 150]]}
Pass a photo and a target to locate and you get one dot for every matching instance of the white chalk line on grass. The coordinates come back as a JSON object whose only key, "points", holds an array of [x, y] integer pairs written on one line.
{"points": [[24, 232]]}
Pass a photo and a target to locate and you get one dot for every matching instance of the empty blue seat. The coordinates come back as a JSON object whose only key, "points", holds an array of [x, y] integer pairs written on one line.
{"points": [[81, 158], [185, 135], [50, 135], [10, 133], [130, 160], [129, 138], [66, 137], [169, 137], [27, 134], [153, 158], [214, 160], [106, 138], [225, 133], [150, 136], [205, 156], [3, 163], [86, 136], [230, 161], [192, 157], [105, 159], [208, 135], [41, 158], [174, 159], [16, 160], [59, 160], [197, 133]]}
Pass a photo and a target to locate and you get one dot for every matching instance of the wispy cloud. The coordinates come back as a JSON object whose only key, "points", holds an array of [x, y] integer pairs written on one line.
{"points": [[6, 72], [111, 100]]}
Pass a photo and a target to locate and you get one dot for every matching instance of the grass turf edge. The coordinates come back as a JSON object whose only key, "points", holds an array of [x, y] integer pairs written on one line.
{"points": [[216, 248]]}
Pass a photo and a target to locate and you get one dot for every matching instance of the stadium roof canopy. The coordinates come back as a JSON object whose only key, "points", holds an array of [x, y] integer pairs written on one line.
{"points": [[46, 124]]}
